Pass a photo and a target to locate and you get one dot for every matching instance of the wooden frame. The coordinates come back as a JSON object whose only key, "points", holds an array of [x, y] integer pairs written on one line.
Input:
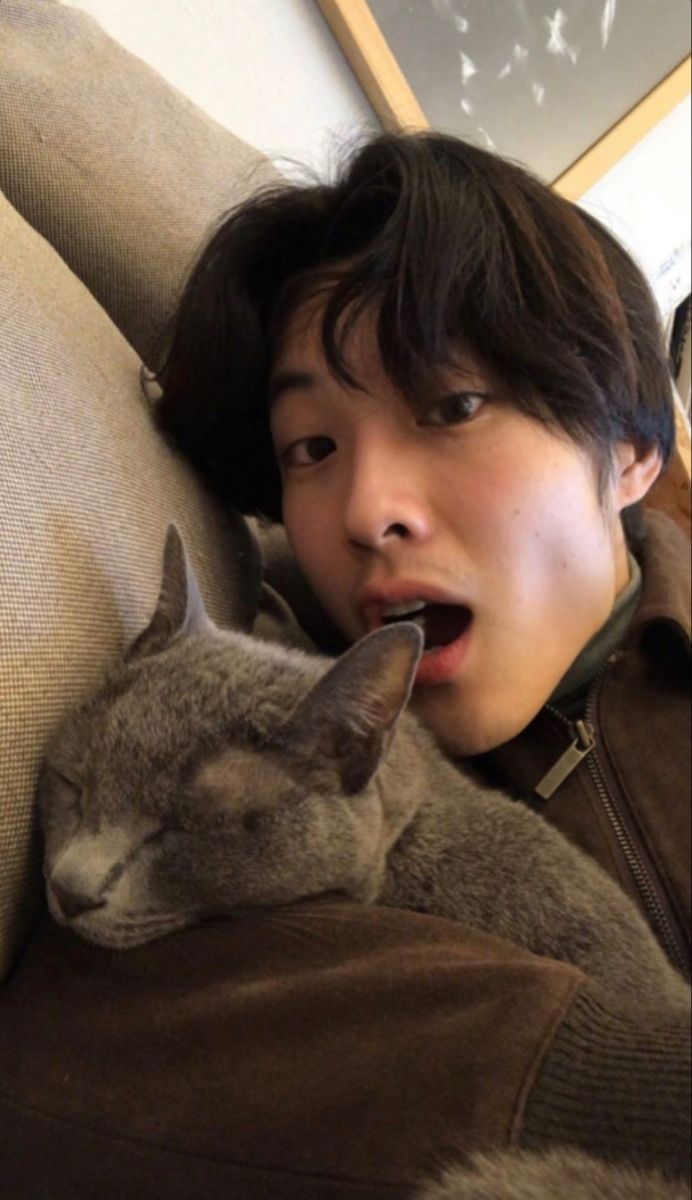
{"points": [[390, 95], [624, 135]]}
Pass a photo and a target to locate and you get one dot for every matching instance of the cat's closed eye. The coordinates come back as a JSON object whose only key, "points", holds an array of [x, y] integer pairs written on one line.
{"points": [[58, 795], [169, 832]]}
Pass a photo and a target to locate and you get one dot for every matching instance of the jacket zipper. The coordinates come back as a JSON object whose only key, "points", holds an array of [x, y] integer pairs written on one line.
{"points": [[584, 747]]}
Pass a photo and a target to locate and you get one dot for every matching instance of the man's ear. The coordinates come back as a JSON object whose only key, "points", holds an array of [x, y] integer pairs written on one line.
{"points": [[343, 727], [636, 467], [179, 608]]}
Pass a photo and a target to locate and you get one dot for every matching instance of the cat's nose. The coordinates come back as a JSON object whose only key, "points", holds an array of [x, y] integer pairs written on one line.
{"points": [[72, 903]]}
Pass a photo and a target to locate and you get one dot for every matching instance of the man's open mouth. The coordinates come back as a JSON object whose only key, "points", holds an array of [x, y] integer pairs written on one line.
{"points": [[441, 624]]}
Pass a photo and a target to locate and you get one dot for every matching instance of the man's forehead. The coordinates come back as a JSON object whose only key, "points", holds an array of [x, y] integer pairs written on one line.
{"points": [[300, 361], [302, 329]]}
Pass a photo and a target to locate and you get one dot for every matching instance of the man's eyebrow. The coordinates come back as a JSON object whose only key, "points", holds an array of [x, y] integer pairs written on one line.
{"points": [[288, 381]]}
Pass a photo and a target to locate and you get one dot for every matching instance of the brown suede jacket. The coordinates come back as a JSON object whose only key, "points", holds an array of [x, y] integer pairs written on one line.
{"points": [[626, 801]]}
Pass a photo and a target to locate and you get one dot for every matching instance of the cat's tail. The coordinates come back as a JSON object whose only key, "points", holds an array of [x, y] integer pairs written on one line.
{"points": [[561, 1172]]}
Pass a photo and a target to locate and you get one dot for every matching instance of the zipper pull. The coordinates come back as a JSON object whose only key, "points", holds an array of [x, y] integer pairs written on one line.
{"points": [[566, 763]]}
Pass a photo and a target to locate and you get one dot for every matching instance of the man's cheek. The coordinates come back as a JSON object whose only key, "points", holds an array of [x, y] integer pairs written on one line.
{"points": [[310, 551], [310, 547]]}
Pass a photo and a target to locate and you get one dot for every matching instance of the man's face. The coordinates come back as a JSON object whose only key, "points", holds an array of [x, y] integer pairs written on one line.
{"points": [[478, 511]]}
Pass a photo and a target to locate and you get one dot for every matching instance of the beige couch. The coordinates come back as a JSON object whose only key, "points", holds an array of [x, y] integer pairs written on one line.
{"points": [[108, 180]]}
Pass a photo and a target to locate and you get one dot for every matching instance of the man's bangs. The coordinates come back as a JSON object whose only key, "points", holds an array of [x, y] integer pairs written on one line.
{"points": [[419, 344]]}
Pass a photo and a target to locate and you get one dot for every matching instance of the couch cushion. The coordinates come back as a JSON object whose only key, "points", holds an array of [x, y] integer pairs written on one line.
{"points": [[331, 1051], [88, 488], [117, 169]]}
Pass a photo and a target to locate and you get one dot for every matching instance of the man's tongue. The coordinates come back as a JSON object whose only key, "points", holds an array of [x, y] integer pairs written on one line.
{"points": [[444, 623]]}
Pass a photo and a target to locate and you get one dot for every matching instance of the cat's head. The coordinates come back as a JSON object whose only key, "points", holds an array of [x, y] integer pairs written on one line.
{"points": [[214, 772]]}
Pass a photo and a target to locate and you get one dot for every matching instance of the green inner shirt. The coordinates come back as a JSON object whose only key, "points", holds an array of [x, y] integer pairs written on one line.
{"points": [[570, 694]]}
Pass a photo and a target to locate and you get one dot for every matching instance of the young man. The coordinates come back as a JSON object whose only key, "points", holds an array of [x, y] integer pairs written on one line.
{"points": [[449, 385]]}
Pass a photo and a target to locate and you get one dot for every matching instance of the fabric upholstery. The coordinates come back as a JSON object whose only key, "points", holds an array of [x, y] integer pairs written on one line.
{"points": [[118, 170], [88, 488]]}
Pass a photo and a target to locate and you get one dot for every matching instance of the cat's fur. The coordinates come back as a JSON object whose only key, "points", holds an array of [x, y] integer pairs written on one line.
{"points": [[213, 771], [517, 1175]]}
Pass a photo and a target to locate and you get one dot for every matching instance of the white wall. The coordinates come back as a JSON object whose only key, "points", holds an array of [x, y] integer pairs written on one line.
{"points": [[271, 71], [645, 200]]}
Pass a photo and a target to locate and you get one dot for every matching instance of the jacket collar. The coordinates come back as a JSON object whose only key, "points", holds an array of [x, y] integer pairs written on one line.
{"points": [[666, 585]]}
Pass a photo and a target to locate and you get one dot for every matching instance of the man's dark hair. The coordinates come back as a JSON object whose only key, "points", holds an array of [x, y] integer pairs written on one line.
{"points": [[449, 246]]}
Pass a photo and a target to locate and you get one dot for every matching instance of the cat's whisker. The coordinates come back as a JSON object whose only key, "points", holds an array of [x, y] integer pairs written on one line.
{"points": [[160, 920], [285, 921], [305, 914], [338, 918]]}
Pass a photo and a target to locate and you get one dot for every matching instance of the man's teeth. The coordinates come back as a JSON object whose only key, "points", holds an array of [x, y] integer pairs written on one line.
{"points": [[403, 609]]}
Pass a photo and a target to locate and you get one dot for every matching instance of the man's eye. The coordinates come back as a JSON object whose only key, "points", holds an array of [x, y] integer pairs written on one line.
{"points": [[308, 451], [454, 409]]}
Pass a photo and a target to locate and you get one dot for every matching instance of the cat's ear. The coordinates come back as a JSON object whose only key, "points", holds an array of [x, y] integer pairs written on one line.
{"points": [[179, 609], [345, 724]]}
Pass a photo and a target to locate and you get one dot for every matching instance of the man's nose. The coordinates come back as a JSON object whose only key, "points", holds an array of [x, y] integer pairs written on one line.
{"points": [[385, 504]]}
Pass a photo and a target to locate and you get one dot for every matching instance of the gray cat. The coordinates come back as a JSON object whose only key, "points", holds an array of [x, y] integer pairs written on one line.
{"points": [[214, 772], [524, 1175]]}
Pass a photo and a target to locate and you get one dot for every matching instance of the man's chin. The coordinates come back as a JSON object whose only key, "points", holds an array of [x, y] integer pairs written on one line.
{"points": [[469, 747], [464, 738]]}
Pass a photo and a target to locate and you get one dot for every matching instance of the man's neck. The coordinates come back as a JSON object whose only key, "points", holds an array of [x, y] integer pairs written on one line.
{"points": [[571, 692]]}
